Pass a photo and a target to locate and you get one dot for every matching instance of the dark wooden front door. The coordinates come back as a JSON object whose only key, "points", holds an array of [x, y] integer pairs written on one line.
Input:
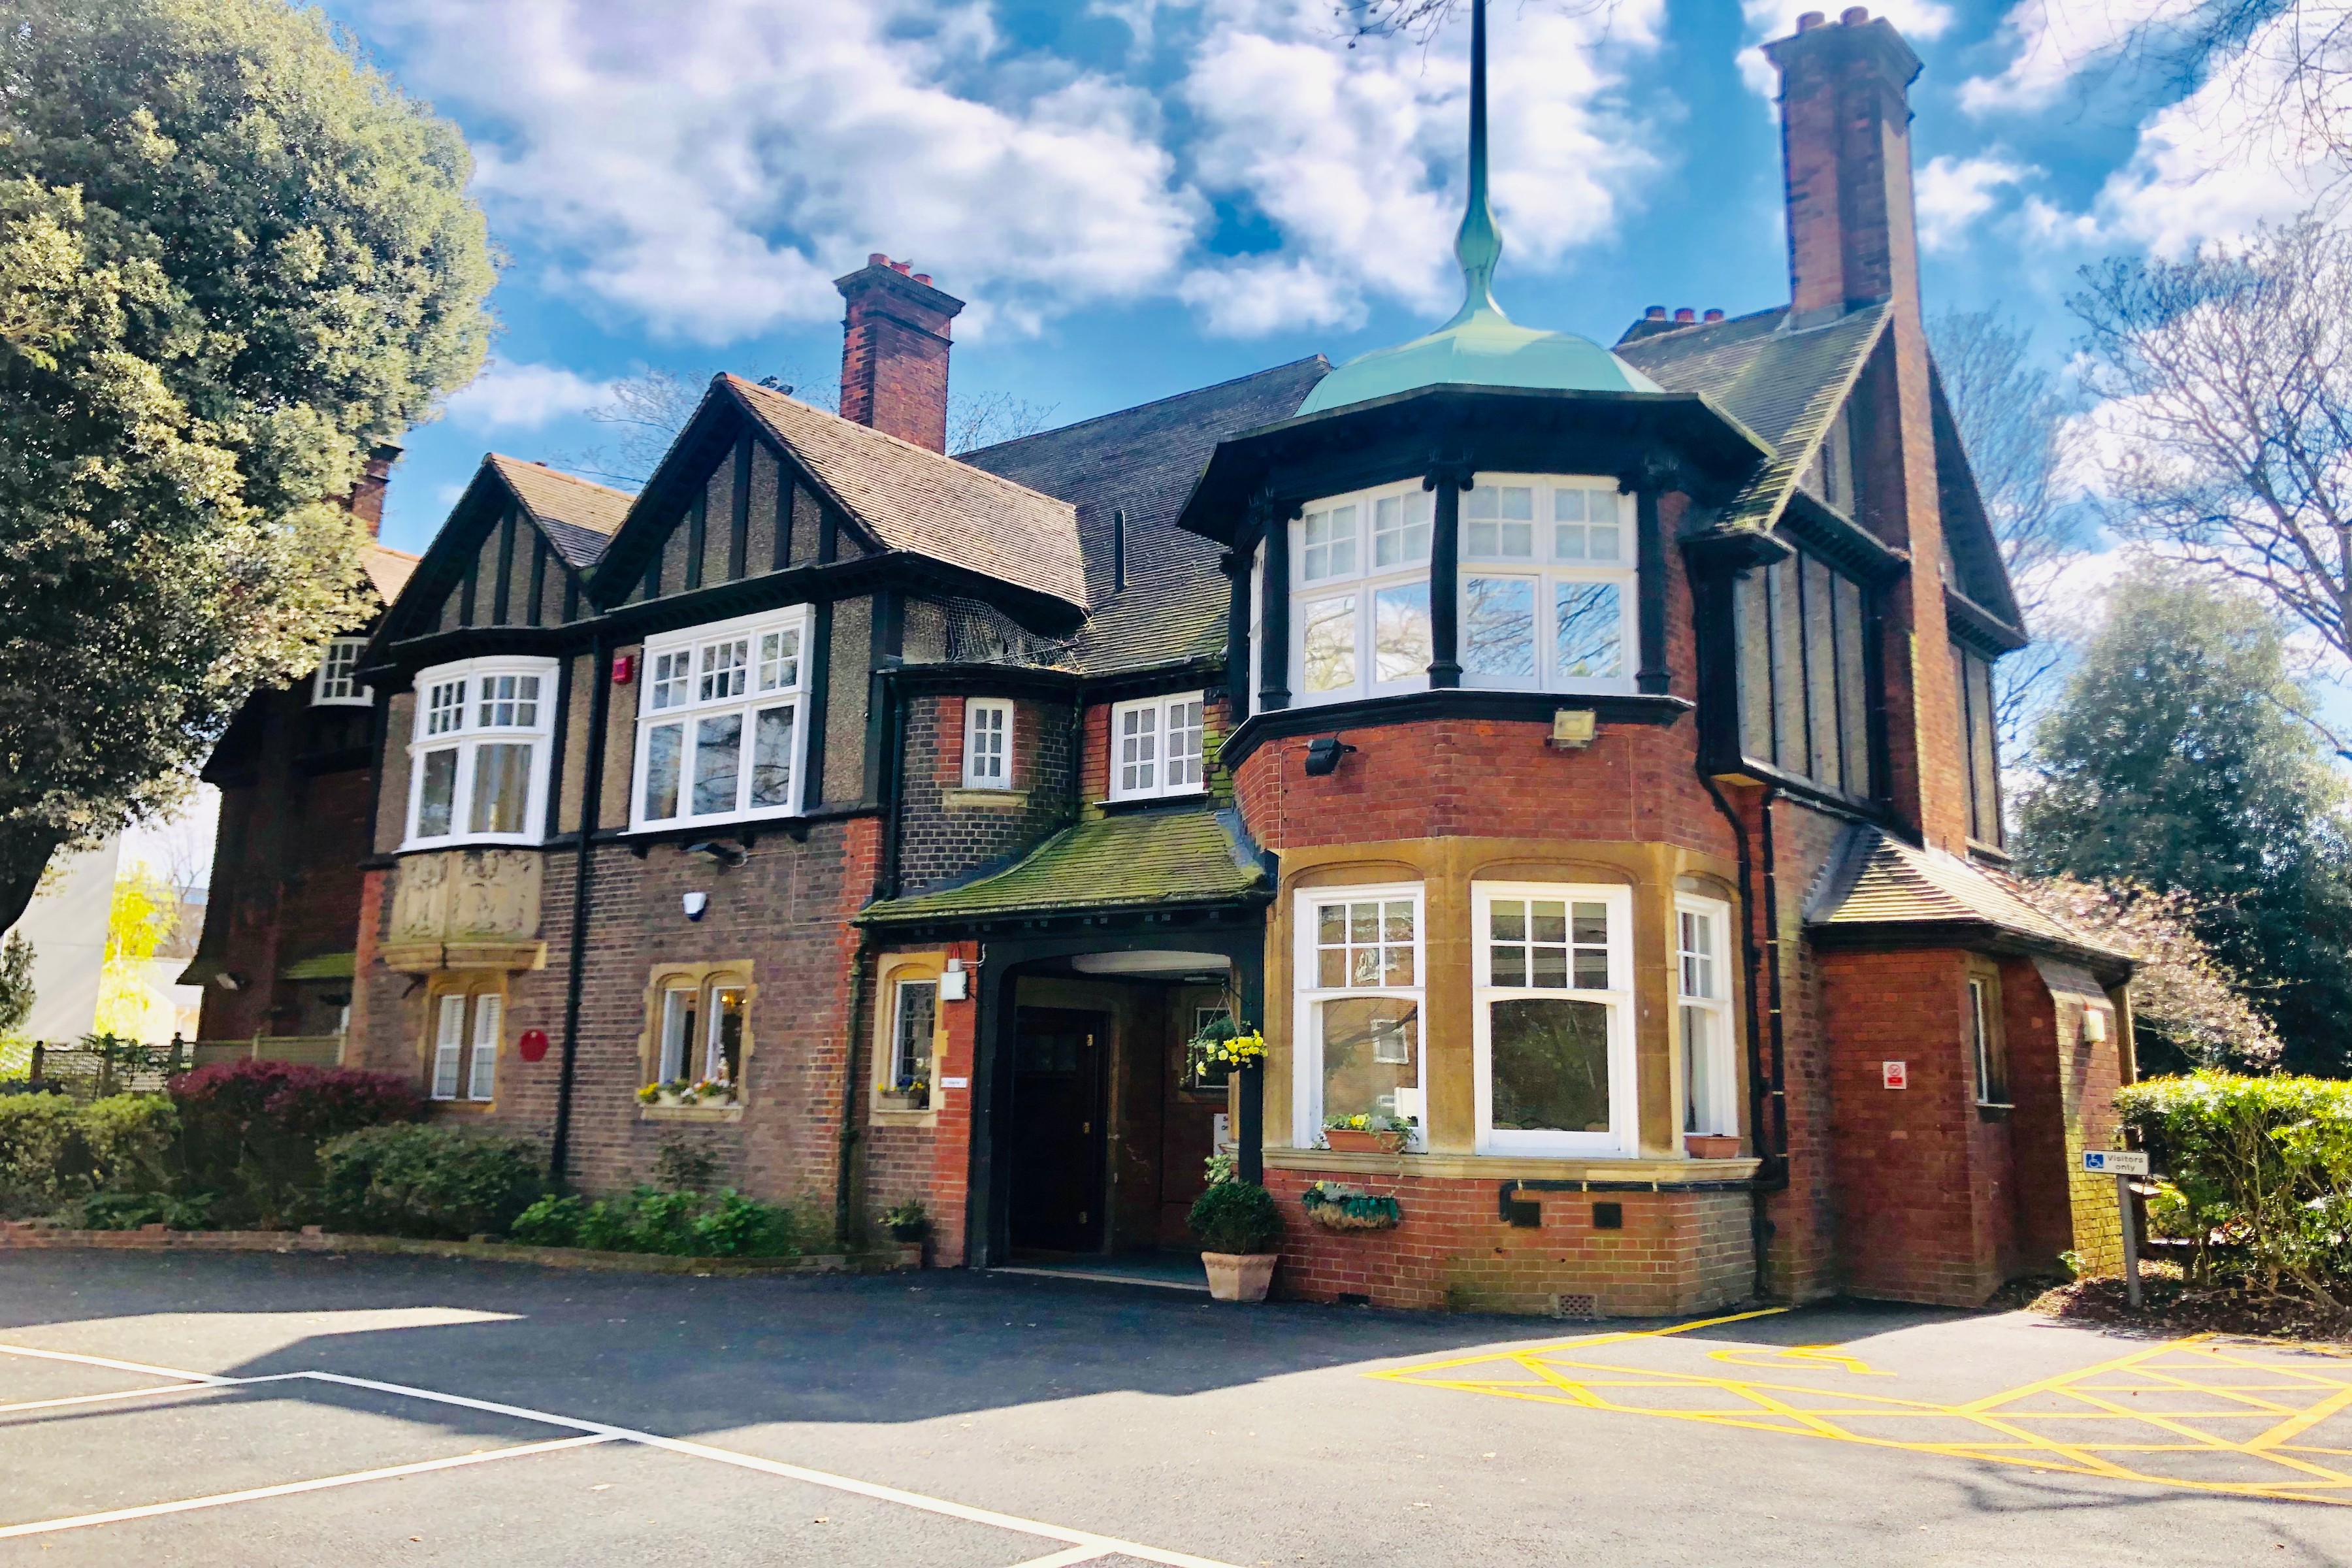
{"points": [[1059, 1140]]}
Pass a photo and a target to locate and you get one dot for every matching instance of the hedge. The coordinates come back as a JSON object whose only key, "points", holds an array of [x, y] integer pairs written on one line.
{"points": [[425, 1181], [253, 1128], [2264, 1170], [55, 1151], [679, 1224]]}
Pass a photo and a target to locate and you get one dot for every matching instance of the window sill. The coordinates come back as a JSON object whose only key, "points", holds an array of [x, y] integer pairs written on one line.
{"points": [[1116, 805], [985, 799], [712, 1113], [475, 841], [1609, 1174], [889, 1114], [1987, 1112], [464, 1106]]}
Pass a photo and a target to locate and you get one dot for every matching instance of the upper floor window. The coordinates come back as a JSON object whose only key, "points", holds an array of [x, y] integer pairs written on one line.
{"points": [[721, 722], [1547, 574], [1155, 747], [988, 744], [1551, 1022], [1546, 589], [1803, 700], [1978, 733], [335, 684], [477, 758]]}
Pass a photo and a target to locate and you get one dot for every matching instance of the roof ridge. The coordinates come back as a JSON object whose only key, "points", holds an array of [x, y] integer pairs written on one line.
{"points": [[1154, 403], [503, 459], [382, 548], [994, 479]]}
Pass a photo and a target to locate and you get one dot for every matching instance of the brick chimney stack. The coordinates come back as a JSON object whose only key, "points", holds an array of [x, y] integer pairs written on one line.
{"points": [[366, 501], [1845, 139], [894, 351]]}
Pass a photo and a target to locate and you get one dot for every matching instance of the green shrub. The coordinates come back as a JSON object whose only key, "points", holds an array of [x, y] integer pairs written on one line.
{"points": [[674, 1224], [2262, 1166], [129, 1211], [253, 1128], [55, 1151], [412, 1180], [1236, 1216]]}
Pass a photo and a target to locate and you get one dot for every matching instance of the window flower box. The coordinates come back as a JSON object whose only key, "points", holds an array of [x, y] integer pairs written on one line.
{"points": [[1368, 1134], [707, 1093], [1711, 1145], [1337, 1207]]}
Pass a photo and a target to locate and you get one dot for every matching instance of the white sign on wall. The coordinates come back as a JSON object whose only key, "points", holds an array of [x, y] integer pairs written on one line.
{"points": [[1894, 1075], [2115, 1161]]}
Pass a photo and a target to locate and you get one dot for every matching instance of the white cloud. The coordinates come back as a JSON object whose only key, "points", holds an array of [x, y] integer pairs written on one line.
{"points": [[1769, 19], [1949, 194], [2053, 41], [1356, 157], [708, 170], [508, 397]]}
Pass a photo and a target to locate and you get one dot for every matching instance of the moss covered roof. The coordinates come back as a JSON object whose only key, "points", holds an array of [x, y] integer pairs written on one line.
{"points": [[1120, 862]]}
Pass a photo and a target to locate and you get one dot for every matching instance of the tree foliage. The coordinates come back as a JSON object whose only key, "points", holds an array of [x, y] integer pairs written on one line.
{"points": [[2189, 1010], [232, 259], [16, 983], [2227, 427], [2175, 759]]}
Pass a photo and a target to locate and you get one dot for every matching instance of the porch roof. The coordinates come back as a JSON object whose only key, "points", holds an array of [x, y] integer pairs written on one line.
{"points": [[1128, 861], [1879, 889]]}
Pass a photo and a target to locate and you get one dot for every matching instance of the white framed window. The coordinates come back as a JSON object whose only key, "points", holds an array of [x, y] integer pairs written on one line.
{"points": [[1552, 1018], [1156, 747], [1702, 971], [477, 758], [1356, 983], [466, 1031], [702, 1031], [722, 721], [1548, 599], [987, 743], [335, 684], [1360, 595]]}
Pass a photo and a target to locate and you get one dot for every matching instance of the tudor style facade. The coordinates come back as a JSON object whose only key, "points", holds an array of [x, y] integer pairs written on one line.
{"points": [[1583, 753]]}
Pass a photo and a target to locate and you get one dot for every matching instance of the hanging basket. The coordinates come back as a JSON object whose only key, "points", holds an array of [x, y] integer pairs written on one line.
{"points": [[1335, 1207]]}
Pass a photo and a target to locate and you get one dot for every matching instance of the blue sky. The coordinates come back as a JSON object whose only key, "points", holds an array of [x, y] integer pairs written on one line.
{"points": [[1139, 196]]}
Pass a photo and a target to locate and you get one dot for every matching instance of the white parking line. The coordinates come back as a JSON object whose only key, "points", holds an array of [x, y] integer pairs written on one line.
{"points": [[148, 1510], [1083, 1546], [117, 1365]]}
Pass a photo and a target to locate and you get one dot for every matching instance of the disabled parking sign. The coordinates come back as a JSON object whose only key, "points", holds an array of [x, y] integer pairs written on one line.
{"points": [[2114, 1162]]}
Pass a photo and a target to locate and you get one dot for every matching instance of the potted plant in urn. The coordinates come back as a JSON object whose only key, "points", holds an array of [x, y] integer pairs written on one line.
{"points": [[1239, 1228], [1373, 1135]]}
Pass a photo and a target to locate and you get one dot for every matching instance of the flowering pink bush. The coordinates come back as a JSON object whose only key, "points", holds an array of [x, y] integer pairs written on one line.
{"points": [[251, 1129]]}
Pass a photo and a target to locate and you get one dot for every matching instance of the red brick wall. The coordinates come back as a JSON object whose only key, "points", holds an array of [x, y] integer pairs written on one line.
{"points": [[1677, 1253], [894, 353]]}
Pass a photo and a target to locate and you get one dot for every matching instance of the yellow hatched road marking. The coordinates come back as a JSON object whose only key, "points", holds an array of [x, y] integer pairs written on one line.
{"points": [[2130, 1444]]}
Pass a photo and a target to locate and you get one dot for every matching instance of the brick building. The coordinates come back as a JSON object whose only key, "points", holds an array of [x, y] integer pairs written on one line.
{"points": [[1583, 752]]}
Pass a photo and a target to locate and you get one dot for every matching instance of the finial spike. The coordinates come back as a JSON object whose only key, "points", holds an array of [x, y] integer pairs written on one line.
{"points": [[1479, 245]]}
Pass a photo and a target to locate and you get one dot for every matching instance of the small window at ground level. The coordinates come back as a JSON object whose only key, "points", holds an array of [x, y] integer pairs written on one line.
{"points": [[466, 1031], [1703, 969], [914, 1024], [988, 744], [1986, 1040], [698, 1033]]}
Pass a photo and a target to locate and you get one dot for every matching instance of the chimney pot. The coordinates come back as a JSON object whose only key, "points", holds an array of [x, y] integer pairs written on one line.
{"points": [[1809, 20], [1654, 313], [1685, 315], [902, 267], [1711, 316], [923, 278], [876, 259], [1855, 15]]}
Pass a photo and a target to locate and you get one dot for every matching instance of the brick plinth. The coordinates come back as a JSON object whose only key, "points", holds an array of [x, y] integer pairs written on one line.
{"points": [[1678, 1252]]}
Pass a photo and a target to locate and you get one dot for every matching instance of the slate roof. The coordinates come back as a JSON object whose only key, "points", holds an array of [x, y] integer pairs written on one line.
{"points": [[913, 498], [1114, 862], [1785, 386], [1145, 461], [1875, 881], [578, 516]]}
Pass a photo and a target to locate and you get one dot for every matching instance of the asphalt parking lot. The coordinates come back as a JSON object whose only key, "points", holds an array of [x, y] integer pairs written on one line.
{"points": [[261, 1410]]}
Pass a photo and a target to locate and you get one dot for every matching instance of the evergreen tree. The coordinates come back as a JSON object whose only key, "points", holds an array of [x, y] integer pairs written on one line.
{"points": [[2176, 759]]}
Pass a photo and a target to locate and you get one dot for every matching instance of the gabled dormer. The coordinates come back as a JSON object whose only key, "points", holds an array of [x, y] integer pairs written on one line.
{"points": [[513, 557]]}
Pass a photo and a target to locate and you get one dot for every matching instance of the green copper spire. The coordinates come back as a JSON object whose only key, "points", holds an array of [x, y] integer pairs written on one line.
{"points": [[1479, 245], [1480, 347]]}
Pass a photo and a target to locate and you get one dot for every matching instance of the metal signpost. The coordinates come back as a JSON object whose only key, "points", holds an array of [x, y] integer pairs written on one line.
{"points": [[2123, 1164]]}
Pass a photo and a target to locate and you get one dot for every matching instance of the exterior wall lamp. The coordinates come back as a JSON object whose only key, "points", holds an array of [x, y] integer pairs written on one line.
{"points": [[1323, 754]]}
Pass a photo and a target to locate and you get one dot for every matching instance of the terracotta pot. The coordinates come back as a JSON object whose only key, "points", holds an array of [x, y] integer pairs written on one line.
{"points": [[1355, 1141], [1239, 1275], [1711, 1145]]}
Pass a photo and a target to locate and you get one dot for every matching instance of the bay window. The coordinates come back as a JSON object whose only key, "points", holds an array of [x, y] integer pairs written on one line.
{"points": [[1547, 600], [1155, 747], [1552, 1018], [477, 758], [1358, 998], [1702, 1015], [1359, 601], [721, 723]]}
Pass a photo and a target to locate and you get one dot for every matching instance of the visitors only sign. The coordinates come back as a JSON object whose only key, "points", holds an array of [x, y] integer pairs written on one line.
{"points": [[2115, 1161]]}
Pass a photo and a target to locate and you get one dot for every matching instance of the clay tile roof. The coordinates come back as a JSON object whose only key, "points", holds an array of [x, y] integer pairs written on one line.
{"points": [[1784, 385], [1113, 862], [578, 516], [1877, 883], [913, 498], [388, 570]]}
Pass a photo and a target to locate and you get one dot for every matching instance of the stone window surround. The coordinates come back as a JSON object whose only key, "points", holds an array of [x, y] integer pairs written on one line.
{"points": [[701, 975], [893, 968], [472, 985], [1656, 875]]}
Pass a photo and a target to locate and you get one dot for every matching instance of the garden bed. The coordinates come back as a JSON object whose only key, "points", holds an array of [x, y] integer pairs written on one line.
{"points": [[22, 1235], [2172, 1307]]}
